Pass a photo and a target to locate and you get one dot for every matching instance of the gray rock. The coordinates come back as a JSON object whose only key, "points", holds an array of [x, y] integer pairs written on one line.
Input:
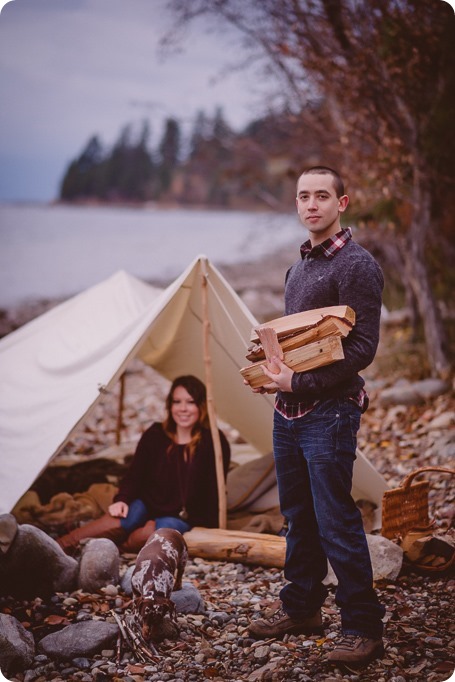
{"points": [[443, 449], [188, 600], [400, 395], [34, 564], [125, 582], [386, 557], [405, 393], [431, 388], [386, 560], [82, 640], [442, 421], [99, 565], [17, 646], [8, 531]]}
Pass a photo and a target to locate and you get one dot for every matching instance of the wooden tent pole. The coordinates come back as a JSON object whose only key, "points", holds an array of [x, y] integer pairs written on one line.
{"points": [[121, 397], [222, 502]]}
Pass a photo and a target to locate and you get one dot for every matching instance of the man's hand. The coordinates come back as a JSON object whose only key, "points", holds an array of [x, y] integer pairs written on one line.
{"points": [[261, 389], [282, 381]]}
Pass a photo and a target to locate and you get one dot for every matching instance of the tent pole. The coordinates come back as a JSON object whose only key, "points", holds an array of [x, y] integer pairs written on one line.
{"points": [[222, 511], [120, 410]]}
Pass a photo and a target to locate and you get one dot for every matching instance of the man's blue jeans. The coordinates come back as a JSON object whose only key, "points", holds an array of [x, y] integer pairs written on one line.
{"points": [[314, 458]]}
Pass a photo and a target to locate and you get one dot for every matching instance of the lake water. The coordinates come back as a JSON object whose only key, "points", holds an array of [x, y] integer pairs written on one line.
{"points": [[58, 251]]}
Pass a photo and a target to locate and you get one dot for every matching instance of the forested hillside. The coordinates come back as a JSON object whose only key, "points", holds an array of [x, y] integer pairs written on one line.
{"points": [[212, 166]]}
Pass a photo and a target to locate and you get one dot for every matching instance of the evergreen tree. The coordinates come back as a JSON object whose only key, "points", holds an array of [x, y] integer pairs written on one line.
{"points": [[202, 131], [169, 152], [130, 166], [79, 180], [221, 130]]}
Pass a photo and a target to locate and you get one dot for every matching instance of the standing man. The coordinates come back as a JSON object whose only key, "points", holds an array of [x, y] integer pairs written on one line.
{"points": [[316, 419]]}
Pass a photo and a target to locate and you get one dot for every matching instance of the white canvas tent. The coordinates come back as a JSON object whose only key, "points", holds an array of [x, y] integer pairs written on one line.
{"points": [[53, 368]]}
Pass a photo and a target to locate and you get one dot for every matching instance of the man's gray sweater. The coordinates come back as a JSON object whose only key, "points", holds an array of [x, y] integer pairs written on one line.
{"points": [[350, 277]]}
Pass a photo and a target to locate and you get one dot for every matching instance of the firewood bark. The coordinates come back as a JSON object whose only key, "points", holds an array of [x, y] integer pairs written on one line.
{"points": [[289, 324], [329, 326], [218, 544], [308, 357], [271, 346]]}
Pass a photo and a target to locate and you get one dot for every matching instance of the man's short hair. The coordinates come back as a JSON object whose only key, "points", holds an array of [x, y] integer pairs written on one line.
{"points": [[325, 170]]}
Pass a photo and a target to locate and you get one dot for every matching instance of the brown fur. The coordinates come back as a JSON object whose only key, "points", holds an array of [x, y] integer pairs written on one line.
{"points": [[157, 573]]}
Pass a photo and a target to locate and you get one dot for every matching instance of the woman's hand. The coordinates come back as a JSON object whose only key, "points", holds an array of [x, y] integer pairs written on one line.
{"points": [[118, 510]]}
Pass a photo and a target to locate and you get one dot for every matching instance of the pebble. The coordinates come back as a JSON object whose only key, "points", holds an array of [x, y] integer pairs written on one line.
{"points": [[216, 646]]}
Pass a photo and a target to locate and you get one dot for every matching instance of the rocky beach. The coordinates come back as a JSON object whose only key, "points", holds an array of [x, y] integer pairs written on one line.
{"points": [[410, 424]]}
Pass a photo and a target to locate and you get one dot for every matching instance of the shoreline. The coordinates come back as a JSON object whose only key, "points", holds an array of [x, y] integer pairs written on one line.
{"points": [[145, 205], [258, 282]]}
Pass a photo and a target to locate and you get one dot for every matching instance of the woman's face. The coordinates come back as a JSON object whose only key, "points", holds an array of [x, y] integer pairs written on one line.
{"points": [[184, 410]]}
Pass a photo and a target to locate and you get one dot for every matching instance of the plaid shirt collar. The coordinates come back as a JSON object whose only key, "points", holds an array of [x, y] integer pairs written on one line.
{"points": [[329, 247]]}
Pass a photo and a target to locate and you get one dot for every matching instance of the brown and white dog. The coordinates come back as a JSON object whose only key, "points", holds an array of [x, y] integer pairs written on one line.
{"points": [[157, 573]]}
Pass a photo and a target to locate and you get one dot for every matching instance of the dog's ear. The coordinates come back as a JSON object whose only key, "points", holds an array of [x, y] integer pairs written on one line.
{"points": [[137, 603]]}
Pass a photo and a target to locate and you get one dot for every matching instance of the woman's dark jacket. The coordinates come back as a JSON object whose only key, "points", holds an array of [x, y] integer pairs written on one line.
{"points": [[159, 477]]}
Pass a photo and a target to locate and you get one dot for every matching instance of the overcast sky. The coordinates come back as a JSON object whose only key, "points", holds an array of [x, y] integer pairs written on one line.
{"points": [[73, 68]]}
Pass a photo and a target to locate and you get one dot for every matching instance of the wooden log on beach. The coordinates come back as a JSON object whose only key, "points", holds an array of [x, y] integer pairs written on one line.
{"points": [[217, 544]]}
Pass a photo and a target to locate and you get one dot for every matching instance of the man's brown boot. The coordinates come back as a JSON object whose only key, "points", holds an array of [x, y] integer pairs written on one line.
{"points": [[106, 526], [279, 624], [355, 651]]}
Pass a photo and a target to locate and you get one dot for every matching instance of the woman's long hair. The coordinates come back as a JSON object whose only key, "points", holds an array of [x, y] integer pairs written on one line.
{"points": [[198, 392]]}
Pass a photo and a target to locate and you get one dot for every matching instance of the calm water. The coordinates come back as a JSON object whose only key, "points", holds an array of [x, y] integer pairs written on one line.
{"points": [[58, 251]]}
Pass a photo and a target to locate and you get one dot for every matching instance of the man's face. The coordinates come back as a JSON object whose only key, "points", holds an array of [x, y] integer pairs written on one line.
{"points": [[319, 207]]}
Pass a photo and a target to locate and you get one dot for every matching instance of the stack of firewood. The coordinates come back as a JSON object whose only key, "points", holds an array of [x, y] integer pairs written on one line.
{"points": [[303, 341]]}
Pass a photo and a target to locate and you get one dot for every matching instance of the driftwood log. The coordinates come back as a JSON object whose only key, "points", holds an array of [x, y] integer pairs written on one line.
{"points": [[217, 544]]}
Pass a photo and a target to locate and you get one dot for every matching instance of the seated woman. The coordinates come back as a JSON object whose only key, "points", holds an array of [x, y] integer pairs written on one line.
{"points": [[171, 482]]}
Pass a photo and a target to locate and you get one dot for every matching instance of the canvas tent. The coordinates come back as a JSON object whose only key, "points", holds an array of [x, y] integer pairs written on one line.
{"points": [[53, 368]]}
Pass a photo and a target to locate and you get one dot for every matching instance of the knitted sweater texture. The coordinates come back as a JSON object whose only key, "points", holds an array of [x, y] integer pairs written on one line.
{"points": [[351, 277]]}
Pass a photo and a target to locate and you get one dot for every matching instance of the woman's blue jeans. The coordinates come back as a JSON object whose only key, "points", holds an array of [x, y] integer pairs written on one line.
{"points": [[138, 516], [314, 458]]}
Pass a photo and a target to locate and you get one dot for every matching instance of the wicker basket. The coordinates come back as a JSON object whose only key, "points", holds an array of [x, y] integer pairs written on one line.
{"points": [[406, 507]]}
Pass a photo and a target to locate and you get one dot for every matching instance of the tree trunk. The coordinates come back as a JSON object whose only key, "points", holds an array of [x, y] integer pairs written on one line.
{"points": [[417, 275]]}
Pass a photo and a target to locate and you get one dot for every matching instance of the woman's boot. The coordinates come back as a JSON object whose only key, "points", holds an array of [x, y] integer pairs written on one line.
{"points": [[106, 526], [138, 538]]}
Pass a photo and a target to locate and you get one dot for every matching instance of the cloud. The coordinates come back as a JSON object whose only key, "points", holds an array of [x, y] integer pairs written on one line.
{"points": [[74, 68]]}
